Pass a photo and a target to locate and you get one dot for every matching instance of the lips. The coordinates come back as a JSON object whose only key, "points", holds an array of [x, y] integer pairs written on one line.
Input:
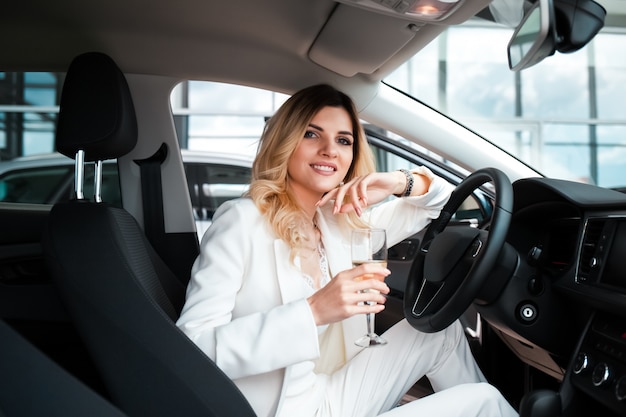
{"points": [[324, 167]]}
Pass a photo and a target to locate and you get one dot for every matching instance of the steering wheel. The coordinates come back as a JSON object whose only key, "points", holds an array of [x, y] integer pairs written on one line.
{"points": [[453, 263]]}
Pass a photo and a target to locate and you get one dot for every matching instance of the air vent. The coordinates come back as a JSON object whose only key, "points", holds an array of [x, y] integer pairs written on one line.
{"points": [[589, 251]]}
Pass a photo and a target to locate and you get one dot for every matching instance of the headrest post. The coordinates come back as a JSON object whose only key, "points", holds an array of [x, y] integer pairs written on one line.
{"points": [[97, 182], [79, 174]]}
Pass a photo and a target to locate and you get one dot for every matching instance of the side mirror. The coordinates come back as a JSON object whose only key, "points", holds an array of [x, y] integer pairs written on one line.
{"points": [[535, 37]]}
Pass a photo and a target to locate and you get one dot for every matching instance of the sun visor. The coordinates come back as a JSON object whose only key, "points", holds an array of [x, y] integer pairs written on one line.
{"points": [[359, 41]]}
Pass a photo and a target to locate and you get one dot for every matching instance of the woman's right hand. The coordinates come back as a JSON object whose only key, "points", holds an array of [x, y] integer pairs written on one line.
{"points": [[346, 294]]}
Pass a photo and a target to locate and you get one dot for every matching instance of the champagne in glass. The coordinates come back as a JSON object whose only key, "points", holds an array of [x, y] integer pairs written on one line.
{"points": [[369, 246]]}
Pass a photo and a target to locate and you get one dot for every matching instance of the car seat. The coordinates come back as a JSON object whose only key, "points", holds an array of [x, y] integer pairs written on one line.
{"points": [[32, 385], [121, 296]]}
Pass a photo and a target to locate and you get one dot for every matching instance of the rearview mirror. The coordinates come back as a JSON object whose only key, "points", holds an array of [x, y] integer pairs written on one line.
{"points": [[535, 37]]}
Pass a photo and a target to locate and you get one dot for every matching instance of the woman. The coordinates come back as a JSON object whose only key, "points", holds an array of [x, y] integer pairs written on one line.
{"points": [[261, 301]]}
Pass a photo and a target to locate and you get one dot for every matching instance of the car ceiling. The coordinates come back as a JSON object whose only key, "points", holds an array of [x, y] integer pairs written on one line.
{"points": [[262, 43], [278, 44]]}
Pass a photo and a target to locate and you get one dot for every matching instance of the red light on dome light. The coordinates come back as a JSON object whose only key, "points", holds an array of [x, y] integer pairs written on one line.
{"points": [[432, 9], [426, 10]]}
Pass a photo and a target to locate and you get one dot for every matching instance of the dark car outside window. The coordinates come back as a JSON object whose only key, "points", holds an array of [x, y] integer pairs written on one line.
{"points": [[51, 184]]}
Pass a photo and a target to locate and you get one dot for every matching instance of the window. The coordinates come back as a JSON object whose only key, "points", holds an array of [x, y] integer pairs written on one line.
{"points": [[36, 185], [46, 181], [210, 185], [28, 108], [562, 116], [211, 116]]}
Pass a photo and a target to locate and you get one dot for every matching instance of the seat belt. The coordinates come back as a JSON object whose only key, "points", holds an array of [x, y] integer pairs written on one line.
{"points": [[176, 250], [152, 199]]}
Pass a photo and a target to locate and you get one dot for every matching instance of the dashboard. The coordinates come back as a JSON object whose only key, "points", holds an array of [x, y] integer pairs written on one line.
{"points": [[562, 310]]}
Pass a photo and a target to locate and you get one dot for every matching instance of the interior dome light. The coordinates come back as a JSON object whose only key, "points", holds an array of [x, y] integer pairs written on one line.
{"points": [[423, 10], [431, 9]]}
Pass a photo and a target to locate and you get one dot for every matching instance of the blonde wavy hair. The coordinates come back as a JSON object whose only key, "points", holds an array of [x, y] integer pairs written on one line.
{"points": [[281, 136]]}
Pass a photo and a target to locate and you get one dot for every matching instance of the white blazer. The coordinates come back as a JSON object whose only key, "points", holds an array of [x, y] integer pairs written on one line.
{"points": [[246, 303]]}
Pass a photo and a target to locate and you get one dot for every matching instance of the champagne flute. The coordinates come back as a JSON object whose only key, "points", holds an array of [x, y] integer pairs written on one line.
{"points": [[369, 246]]}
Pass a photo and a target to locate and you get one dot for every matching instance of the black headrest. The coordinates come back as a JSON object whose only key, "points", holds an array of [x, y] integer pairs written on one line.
{"points": [[96, 112]]}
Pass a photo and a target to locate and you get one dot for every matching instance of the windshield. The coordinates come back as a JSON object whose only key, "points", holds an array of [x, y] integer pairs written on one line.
{"points": [[564, 116]]}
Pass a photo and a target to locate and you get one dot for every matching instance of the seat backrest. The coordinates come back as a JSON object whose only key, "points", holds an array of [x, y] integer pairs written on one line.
{"points": [[123, 299], [32, 385]]}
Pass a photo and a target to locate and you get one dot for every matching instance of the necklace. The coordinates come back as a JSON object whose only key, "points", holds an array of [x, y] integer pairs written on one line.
{"points": [[315, 232], [323, 267], [313, 263]]}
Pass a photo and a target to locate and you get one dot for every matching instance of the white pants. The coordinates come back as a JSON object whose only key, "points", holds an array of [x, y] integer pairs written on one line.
{"points": [[374, 381]]}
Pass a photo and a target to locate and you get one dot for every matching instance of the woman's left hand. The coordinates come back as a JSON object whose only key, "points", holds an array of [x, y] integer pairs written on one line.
{"points": [[361, 192]]}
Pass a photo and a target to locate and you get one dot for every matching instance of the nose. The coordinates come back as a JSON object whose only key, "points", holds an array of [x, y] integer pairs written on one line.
{"points": [[328, 148]]}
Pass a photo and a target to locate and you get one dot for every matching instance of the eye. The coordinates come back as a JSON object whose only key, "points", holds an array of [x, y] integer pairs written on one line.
{"points": [[344, 141], [309, 134]]}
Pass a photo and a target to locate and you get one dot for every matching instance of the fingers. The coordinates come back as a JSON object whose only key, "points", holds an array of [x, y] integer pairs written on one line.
{"points": [[357, 198], [370, 297], [345, 199], [366, 300], [327, 310], [348, 197], [362, 275], [368, 283], [372, 284], [369, 300], [329, 196], [361, 192], [373, 308], [354, 291]]}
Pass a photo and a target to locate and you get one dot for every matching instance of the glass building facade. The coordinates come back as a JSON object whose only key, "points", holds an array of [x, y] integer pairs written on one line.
{"points": [[564, 116]]}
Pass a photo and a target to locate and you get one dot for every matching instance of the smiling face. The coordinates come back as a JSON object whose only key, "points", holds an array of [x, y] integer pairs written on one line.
{"points": [[323, 157]]}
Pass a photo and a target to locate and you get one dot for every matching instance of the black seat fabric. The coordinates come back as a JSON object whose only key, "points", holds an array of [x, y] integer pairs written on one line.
{"points": [[124, 300], [96, 112], [32, 385]]}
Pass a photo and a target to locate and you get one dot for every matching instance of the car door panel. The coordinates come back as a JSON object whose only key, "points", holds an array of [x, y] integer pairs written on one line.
{"points": [[26, 292]]}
